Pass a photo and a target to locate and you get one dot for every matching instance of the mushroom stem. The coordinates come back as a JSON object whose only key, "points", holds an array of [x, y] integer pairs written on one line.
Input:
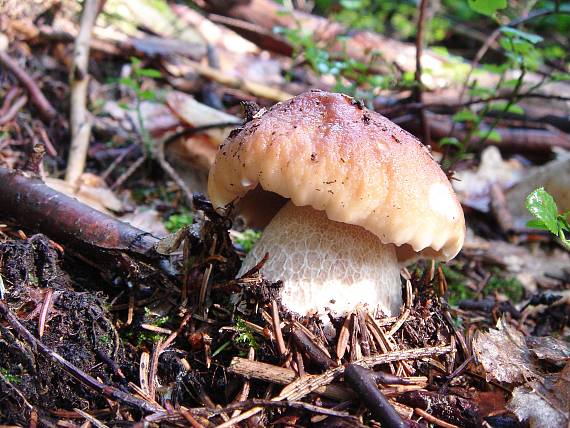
{"points": [[326, 264]]}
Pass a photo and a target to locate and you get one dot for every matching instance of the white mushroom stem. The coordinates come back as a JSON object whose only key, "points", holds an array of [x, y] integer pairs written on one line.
{"points": [[325, 264]]}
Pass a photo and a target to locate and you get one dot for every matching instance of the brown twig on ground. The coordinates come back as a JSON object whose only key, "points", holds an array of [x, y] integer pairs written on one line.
{"points": [[32, 204], [80, 122], [513, 139], [310, 350], [12, 93], [418, 90], [362, 382], [282, 376], [13, 110], [44, 311], [86, 379], [277, 328], [432, 419], [303, 386], [171, 172], [36, 95]]}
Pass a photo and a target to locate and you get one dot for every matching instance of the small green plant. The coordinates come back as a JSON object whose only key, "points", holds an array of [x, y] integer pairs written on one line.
{"points": [[543, 208], [247, 239], [458, 288], [135, 83], [9, 377], [177, 221], [244, 336]]}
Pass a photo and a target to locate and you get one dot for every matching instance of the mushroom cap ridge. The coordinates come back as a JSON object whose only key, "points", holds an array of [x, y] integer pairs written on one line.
{"points": [[327, 151]]}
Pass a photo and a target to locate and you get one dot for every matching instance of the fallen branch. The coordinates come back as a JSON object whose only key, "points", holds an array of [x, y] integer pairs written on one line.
{"points": [[512, 139], [36, 95], [32, 204], [79, 119]]}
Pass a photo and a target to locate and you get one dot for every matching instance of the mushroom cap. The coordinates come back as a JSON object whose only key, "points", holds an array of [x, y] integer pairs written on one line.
{"points": [[327, 151]]}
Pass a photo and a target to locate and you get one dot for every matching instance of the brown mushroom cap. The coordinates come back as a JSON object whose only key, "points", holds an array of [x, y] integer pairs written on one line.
{"points": [[329, 152]]}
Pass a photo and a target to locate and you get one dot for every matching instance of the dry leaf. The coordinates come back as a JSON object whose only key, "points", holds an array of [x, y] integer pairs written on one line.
{"points": [[504, 355]]}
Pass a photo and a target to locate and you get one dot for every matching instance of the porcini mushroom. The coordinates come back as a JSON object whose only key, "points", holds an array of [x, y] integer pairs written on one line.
{"points": [[365, 197]]}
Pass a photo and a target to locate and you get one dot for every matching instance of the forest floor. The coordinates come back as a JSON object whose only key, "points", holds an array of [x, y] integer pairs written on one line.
{"points": [[119, 302]]}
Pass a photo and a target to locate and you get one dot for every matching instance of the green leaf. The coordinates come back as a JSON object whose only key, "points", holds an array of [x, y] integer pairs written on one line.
{"points": [[514, 33], [494, 136], [504, 106], [465, 116], [536, 224], [449, 141], [148, 72], [147, 95], [487, 7], [127, 81], [491, 136], [542, 207], [560, 76], [481, 92]]}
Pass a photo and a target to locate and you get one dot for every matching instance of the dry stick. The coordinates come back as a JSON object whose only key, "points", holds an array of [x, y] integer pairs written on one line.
{"points": [[418, 75], [301, 387], [13, 110], [37, 96], [277, 328], [161, 159], [80, 121], [362, 382], [311, 350], [433, 419], [12, 93], [153, 369], [244, 393], [108, 391], [190, 419], [43, 313]]}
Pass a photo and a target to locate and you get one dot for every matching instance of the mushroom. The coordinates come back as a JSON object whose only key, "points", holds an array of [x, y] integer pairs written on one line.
{"points": [[364, 198]]}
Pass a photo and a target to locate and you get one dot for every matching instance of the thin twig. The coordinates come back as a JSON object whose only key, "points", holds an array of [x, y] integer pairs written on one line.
{"points": [[277, 328], [43, 313], [433, 419], [418, 75], [13, 110], [80, 122], [36, 95]]}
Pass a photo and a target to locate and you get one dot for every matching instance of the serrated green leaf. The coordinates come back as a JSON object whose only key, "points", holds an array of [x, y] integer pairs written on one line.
{"points": [[542, 207], [465, 116], [529, 37], [487, 7]]}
